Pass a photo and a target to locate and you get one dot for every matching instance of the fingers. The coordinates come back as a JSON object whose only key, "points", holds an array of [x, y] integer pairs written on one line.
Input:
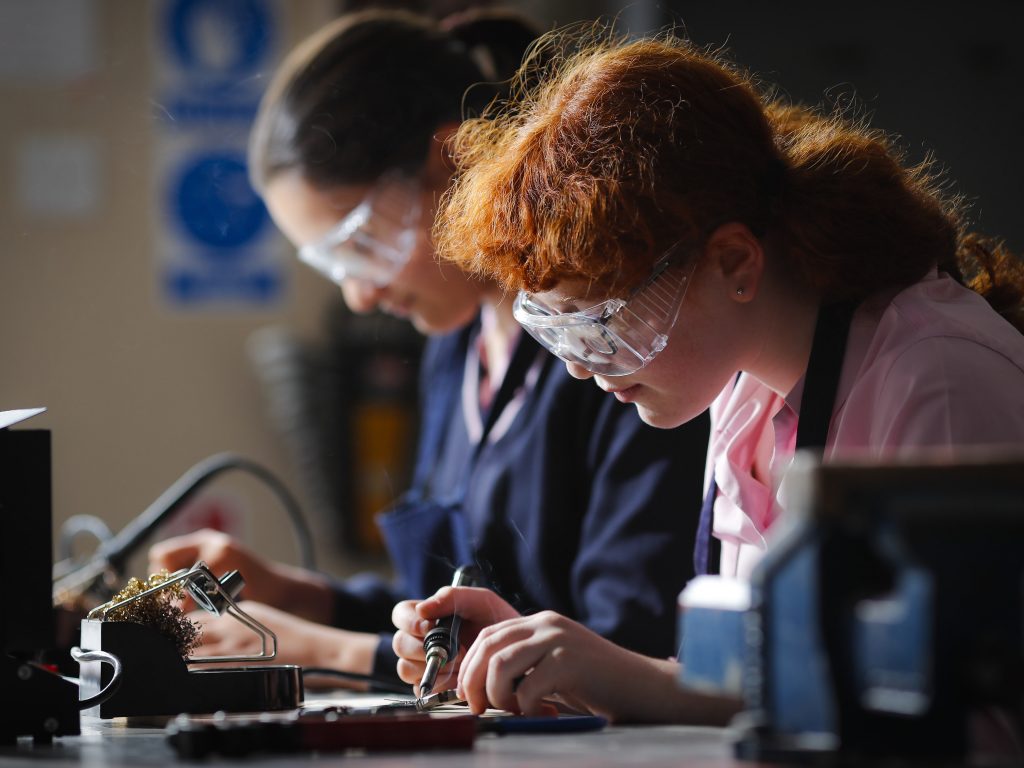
{"points": [[183, 551], [407, 642], [475, 604], [519, 663], [409, 647], [508, 670], [172, 555], [410, 672], [541, 683], [406, 619], [222, 638], [477, 607], [412, 661], [495, 646]]}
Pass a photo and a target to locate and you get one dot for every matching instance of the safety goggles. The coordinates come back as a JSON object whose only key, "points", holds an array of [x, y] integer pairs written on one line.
{"points": [[375, 239], [616, 337]]}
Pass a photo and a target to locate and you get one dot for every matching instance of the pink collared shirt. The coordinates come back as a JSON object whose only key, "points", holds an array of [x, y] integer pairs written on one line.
{"points": [[932, 366]]}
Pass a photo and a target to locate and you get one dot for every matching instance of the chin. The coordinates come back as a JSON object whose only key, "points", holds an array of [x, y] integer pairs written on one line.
{"points": [[661, 418], [424, 326], [435, 326], [430, 322]]}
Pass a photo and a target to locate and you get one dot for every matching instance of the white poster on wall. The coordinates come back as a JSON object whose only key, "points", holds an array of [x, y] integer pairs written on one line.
{"points": [[216, 247]]}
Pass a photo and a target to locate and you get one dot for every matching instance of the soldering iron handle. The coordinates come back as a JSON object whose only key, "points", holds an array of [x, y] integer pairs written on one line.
{"points": [[466, 576], [446, 631]]}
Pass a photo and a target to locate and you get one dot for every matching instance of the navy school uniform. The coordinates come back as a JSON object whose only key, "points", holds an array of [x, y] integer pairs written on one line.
{"points": [[572, 504]]}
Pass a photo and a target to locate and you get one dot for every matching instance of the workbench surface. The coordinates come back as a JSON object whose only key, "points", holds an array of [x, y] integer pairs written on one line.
{"points": [[111, 744]]}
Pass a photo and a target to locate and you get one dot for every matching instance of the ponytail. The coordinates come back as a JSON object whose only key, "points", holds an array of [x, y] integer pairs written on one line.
{"points": [[496, 39], [853, 218], [366, 94], [988, 268], [622, 149]]}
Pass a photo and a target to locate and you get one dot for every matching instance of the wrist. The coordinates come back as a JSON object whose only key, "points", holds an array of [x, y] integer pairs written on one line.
{"points": [[302, 592], [349, 651], [649, 691]]}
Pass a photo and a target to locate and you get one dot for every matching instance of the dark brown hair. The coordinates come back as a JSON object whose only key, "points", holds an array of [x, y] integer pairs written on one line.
{"points": [[365, 94], [627, 148]]}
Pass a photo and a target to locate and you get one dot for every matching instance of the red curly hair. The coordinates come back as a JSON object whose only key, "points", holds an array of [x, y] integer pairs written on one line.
{"points": [[616, 151]]}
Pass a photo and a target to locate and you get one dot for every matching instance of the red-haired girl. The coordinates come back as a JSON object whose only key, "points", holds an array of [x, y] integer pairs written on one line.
{"points": [[688, 243]]}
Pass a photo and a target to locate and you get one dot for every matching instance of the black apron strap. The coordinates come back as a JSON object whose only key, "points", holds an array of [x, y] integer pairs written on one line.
{"points": [[821, 383]]}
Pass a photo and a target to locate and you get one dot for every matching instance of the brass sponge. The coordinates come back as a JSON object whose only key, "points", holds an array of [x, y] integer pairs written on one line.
{"points": [[160, 611]]}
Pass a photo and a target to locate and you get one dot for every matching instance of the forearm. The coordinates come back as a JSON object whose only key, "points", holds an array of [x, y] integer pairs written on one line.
{"points": [[340, 649], [302, 592], [640, 689]]}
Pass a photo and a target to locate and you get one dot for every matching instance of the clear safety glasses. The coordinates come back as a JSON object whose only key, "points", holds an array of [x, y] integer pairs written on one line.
{"points": [[616, 337], [375, 239]]}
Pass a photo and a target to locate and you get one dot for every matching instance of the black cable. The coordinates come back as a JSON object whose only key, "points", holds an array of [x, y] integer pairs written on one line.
{"points": [[376, 683], [114, 553], [115, 682], [69, 531]]}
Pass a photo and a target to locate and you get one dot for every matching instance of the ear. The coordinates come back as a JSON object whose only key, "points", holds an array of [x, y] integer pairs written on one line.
{"points": [[739, 257], [439, 166]]}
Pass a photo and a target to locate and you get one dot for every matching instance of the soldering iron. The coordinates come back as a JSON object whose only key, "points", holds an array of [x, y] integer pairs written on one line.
{"points": [[441, 644]]}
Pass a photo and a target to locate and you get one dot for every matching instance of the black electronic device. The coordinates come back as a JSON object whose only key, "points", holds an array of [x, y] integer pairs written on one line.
{"points": [[154, 679], [197, 738], [889, 623], [36, 701]]}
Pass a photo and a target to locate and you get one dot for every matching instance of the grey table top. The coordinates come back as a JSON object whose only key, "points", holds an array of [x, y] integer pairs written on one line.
{"points": [[112, 744]]}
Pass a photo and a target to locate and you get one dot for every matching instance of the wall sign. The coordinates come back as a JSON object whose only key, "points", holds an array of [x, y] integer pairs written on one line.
{"points": [[216, 246]]}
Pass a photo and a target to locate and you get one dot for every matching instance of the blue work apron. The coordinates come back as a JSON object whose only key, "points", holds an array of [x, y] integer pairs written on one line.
{"points": [[426, 537]]}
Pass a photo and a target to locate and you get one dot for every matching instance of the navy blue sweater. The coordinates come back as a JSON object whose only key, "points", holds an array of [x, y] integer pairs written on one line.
{"points": [[578, 507]]}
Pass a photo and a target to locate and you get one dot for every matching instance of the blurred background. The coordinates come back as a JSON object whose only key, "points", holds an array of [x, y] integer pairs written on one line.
{"points": [[147, 301]]}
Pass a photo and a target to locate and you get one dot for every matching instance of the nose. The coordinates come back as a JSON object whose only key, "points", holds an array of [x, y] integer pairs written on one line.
{"points": [[361, 295], [577, 371]]}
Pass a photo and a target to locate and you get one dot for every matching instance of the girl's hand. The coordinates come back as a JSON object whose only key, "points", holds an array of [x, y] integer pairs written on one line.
{"points": [[477, 607], [221, 553], [298, 641], [297, 590], [523, 664]]}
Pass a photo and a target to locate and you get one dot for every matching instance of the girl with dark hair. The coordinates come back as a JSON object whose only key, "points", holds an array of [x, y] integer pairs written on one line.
{"points": [[561, 495], [689, 243]]}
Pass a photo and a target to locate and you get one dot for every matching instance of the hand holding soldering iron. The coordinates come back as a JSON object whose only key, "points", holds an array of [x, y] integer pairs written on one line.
{"points": [[441, 643]]}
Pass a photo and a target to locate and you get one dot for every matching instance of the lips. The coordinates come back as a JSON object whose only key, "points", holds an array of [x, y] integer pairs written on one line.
{"points": [[401, 309]]}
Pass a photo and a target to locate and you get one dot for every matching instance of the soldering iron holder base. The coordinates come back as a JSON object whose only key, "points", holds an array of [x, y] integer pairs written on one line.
{"points": [[157, 681]]}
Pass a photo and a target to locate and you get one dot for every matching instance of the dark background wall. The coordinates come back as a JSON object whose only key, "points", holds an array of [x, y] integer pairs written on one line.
{"points": [[139, 391], [946, 77]]}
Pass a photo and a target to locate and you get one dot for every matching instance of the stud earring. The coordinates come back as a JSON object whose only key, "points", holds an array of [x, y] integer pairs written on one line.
{"points": [[740, 291]]}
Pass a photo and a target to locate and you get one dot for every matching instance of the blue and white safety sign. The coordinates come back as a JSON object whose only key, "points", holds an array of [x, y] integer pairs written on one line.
{"points": [[216, 247]]}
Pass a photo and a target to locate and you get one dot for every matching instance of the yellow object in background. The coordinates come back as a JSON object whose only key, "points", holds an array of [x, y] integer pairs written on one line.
{"points": [[382, 433]]}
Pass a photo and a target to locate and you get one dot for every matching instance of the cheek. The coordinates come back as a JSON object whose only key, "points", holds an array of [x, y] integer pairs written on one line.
{"points": [[677, 386]]}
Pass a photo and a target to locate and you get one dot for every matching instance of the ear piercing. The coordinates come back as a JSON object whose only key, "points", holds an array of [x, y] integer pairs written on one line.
{"points": [[740, 291]]}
